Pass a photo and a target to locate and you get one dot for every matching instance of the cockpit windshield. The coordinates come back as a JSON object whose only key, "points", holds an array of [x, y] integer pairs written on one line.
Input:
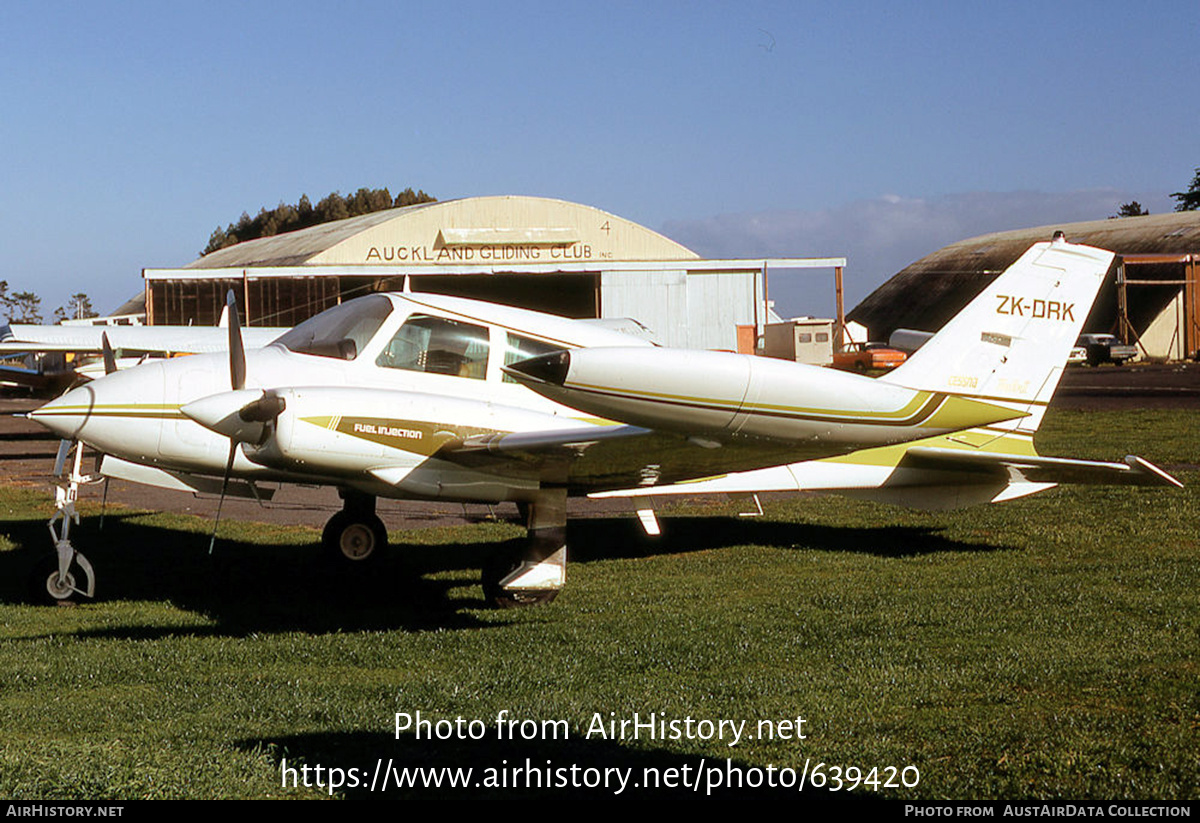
{"points": [[340, 332]]}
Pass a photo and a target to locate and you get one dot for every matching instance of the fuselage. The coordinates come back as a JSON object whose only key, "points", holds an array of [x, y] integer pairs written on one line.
{"points": [[375, 394], [423, 369]]}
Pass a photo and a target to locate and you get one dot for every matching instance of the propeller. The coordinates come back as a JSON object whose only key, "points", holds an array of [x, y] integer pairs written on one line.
{"points": [[237, 351], [244, 416], [110, 357]]}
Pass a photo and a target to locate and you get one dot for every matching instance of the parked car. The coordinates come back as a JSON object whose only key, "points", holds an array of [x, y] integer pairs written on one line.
{"points": [[863, 357], [1105, 348]]}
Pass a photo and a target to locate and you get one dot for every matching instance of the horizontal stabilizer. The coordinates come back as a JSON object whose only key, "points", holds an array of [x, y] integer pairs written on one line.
{"points": [[1133, 472], [926, 476]]}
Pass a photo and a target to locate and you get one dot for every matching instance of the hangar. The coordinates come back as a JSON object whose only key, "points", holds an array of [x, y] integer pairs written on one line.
{"points": [[1152, 297], [538, 253]]}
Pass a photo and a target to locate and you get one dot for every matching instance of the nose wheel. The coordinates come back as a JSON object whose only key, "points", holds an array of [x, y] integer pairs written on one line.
{"points": [[67, 575], [48, 584]]}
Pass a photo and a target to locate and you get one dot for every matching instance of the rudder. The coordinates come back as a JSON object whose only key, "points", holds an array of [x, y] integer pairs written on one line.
{"points": [[1011, 342]]}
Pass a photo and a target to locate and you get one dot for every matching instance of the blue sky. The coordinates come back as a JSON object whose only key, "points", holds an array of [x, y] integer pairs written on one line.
{"points": [[878, 131]]}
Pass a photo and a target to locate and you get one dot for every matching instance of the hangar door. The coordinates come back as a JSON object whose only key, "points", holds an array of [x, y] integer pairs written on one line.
{"points": [[688, 310], [656, 299]]}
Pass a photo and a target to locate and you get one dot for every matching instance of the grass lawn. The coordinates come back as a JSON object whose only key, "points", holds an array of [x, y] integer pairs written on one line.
{"points": [[1041, 648]]}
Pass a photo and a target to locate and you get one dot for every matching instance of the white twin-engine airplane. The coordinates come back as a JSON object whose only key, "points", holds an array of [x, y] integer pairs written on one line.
{"points": [[431, 397]]}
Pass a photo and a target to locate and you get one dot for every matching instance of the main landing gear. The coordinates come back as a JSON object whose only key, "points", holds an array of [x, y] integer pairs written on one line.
{"points": [[527, 574], [535, 571], [355, 536]]}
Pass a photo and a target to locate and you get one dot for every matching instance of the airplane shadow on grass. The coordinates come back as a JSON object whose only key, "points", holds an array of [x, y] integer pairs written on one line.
{"points": [[402, 767], [282, 586], [623, 538]]}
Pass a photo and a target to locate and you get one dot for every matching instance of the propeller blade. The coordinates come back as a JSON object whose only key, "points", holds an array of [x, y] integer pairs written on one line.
{"points": [[233, 444], [237, 352], [110, 357]]}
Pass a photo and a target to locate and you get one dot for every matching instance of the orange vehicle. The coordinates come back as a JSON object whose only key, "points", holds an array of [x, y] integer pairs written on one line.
{"points": [[863, 357]]}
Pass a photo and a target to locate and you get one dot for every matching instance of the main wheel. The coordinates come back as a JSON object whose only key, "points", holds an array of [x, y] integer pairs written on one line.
{"points": [[354, 540], [496, 568]]}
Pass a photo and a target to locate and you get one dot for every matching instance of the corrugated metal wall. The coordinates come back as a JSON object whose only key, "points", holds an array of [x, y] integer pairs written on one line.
{"points": [[694, 311], [717, 304]]}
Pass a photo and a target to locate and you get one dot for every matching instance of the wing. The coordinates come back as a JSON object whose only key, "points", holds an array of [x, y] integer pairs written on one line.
{"points": [[25, 338], [595, 458]]}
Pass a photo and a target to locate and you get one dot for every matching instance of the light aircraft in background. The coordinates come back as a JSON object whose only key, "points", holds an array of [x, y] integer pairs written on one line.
{"points": [[59, 355], [439, 398]]}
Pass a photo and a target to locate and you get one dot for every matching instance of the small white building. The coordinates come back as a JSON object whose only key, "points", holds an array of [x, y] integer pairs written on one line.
{"points": [[802, 339]]}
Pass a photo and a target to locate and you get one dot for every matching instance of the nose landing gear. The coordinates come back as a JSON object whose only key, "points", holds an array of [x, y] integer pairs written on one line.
{"points": [[53, 579]]}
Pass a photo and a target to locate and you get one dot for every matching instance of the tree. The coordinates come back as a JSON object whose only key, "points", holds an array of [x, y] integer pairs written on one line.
{"points": [[1131, 209], [286, 217], [77, 308], [26, 307], [408, 198], [6, 300], [1189, 200]]}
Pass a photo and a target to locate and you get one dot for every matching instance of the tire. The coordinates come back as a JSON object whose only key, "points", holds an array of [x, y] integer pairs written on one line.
{"points": [[45, 587], [354, 540]]}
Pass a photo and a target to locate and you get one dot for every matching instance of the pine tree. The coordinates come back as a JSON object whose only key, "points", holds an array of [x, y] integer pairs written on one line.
{"points": [[286, 217], [77, 308], [26, 308], [6, 300], [1131, 209], [1189, 200]]}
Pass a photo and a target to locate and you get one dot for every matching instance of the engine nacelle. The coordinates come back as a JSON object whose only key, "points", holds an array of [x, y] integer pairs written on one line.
{"points": [[401, 439]]}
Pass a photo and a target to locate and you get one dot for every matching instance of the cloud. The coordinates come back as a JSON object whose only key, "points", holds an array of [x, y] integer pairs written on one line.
{"points": [[879, 237]]}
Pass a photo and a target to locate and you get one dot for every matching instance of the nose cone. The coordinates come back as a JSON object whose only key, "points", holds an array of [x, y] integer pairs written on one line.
{"points": [[67, 415], [548, 368], [112, 412]]}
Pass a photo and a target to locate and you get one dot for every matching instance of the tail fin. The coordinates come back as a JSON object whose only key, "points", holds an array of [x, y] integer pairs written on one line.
{"points": [[1011, 343]]}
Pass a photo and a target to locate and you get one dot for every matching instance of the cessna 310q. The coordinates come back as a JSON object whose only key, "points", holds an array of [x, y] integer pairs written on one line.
{"points": [[430, 397]]}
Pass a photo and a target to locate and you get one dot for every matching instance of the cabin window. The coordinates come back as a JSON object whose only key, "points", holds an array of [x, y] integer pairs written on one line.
{"points": [[517, 348], [437, 345]]}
